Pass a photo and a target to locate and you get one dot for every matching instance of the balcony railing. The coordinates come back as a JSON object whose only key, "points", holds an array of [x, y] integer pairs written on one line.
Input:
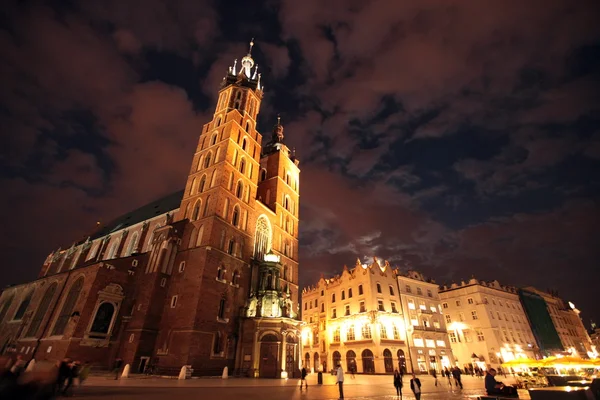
{"points": [[428, 328]]}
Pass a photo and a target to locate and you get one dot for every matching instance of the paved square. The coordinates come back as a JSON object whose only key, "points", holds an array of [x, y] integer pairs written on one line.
{"points": [[378, 387]]}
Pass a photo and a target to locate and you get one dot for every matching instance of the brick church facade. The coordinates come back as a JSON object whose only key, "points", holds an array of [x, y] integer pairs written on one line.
{"points": [[206, 277]]}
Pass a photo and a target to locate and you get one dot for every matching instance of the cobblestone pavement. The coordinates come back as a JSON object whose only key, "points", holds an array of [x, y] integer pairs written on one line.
{"points": [[362, 387]]}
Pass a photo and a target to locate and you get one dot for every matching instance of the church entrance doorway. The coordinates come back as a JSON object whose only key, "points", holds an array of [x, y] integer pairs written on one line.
{"points": [[268, 357]]}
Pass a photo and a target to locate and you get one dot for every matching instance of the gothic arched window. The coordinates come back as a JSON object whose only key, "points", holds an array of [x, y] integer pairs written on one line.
{"points": [[102, 320], [239, 190], [132, 244], [41, 311], [263, 174], [213, 139], [206, 207], [196, 210], [207, 160], [202, 184], [235, 278], [193, 186], [244, 144], [213, 178], [67, 308], [242, 165], [112, 253], [199, 237], [235, 218], [262, 238], [23, 306]]}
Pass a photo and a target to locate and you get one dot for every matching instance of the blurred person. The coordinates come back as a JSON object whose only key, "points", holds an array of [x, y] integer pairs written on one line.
{"points": [[415, 386], [493, 387], [398, 383], [340, 380], [303, 374]]}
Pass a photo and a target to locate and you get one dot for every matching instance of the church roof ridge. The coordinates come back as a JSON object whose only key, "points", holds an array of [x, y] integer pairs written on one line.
{"points": [[150, 210]]}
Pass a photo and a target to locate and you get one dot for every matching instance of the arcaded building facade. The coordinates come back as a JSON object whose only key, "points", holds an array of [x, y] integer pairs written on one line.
{"points": [[355, 319], [206, 277]]}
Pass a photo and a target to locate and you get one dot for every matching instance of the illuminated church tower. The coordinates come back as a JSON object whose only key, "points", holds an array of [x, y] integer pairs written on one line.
{"points": [[241, 204]]}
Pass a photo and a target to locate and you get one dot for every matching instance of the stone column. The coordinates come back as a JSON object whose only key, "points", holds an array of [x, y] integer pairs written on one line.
{"points": [[282, 352], [255, 354]]}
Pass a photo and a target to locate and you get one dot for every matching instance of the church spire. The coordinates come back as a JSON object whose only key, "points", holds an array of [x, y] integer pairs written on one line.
{"points": [[277, 136], [244, 74], [248, 62]]}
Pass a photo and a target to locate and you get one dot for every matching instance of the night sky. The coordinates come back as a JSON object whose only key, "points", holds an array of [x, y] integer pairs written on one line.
{"points": [[457, 137]]}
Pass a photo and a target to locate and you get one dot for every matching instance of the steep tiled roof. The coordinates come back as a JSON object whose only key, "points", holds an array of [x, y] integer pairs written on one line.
{"points": [[157, 207]]}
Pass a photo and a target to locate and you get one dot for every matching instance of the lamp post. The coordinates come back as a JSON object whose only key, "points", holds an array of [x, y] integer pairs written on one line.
{"points": [[409, 332]]}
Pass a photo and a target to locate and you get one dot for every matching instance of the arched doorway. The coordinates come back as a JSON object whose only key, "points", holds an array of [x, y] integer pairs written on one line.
{"points": [[401, 361], [316, 362], [388, 361], [367, 362], [351, 361], [290, 356], [337, 359], [307, 361], [268, 356]]}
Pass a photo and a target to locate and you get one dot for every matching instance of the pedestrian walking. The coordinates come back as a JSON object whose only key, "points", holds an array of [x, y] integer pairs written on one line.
{"points": [[398, 383], [303, 374], [456, 373], [434, 374], [447, 374], [415, 386], [340, 380], [71, 375]]}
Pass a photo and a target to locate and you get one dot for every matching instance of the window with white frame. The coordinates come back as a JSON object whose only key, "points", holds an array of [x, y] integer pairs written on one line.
{"points": [[480, 337], [419, 291], [448, 318], [452, 336], [366, 331], [474, 314], [336, 335], [429, 293], [350, 334], [411, 304], [174, 301], [418, 342], [383, 331], [444, 305], [396, 332], [182, 266], [380, 306]]}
